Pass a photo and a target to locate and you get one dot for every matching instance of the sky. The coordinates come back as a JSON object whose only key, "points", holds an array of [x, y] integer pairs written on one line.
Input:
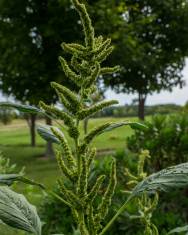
{"points": [[177, 96]]}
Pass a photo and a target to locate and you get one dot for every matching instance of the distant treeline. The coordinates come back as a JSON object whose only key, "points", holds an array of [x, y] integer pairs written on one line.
{"points": [[123, 111], [132, 110]]}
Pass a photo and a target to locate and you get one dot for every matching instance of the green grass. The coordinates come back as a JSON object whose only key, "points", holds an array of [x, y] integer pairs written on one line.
{"points": [[15, 144]]}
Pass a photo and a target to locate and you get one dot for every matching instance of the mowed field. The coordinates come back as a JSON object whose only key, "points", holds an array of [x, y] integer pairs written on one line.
{"points": [[15, 144]]}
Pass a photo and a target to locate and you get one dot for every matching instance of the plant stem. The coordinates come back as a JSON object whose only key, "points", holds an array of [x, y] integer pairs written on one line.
{"points": [[58, 197], [115, 217], [76, 147]]}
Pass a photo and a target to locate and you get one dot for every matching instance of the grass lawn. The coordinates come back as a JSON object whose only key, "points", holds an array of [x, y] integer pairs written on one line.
{"points": [[15, 140]]}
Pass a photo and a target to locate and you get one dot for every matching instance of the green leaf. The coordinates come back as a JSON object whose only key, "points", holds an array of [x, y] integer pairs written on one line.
{"points": [[133, 125], [30, 182], [109, 127], [180, 230], [16, 211], [46, 133], [9, 179], [138, 126], [169, 178], [21, 107]]}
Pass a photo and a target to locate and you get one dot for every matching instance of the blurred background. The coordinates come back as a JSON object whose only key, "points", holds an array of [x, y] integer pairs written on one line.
{"points": [[150, 39]]}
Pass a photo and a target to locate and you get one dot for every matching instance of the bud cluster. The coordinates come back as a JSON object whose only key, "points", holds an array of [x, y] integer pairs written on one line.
{"points": [[146, 203]]}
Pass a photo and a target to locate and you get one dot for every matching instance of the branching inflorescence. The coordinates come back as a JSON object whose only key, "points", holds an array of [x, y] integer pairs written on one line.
{"points": [[88, 206], [84, 69], [145, 203]]}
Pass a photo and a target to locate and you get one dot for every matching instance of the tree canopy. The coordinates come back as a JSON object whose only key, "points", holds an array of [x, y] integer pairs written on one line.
{"points": [[150, 39], [151, 42], [30, 38]]}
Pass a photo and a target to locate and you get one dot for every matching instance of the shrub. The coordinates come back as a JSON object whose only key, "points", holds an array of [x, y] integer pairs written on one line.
{"points": [[166, 139], [170, 211], [6, 167], [56, 216], [6, 115]]}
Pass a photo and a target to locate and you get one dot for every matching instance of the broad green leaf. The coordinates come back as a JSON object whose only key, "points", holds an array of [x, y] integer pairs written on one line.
{"points": [[133, 125], [46, 133], [180, 230], [169, 178], [17, 212], [9, 179], [21, 107]]}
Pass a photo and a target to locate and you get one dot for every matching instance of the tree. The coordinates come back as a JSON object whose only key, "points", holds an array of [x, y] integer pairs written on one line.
{"points": [[151, 40], [30, 38]]}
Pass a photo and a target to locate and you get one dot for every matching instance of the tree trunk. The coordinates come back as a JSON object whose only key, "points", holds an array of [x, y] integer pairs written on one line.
{"points": [[31, 119], [49, 147], [86, 125], [32, 129], [141, 106]]}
